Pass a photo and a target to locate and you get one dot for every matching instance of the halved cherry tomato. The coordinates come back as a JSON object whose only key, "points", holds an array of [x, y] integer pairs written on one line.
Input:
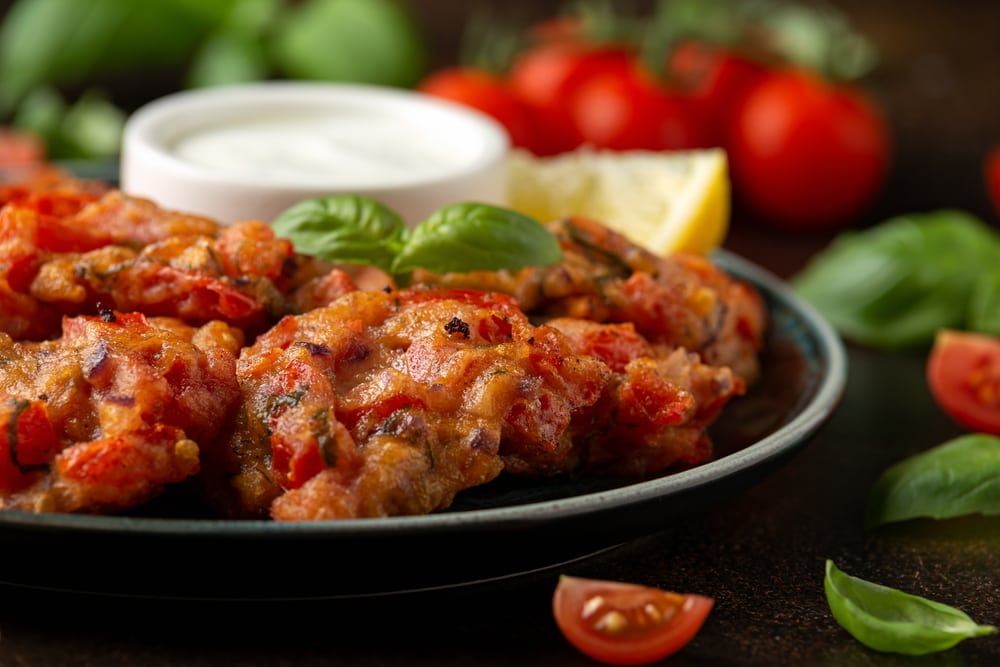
{"points": [[963, 373], [626, 624], [485, 92], [807, 153]]}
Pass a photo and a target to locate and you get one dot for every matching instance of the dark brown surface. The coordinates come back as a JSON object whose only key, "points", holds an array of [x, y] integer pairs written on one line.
{"points": [[760, 554]]}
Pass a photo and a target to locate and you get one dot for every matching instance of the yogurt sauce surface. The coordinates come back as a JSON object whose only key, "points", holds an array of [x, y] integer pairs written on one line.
{"points": [[344, 148]]}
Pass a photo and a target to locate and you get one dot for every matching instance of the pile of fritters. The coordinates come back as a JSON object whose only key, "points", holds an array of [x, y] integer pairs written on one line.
{"points": [[142, 348]]}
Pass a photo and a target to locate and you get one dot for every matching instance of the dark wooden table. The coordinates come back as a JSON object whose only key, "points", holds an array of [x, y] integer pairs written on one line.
{"points": [[759, 553]]}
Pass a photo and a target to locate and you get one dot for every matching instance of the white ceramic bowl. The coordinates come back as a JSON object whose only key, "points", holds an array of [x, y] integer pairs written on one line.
{"points": [[250, 151]]}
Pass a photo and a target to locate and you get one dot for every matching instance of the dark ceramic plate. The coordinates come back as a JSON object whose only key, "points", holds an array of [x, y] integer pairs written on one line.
{"points": [[503, 529]]}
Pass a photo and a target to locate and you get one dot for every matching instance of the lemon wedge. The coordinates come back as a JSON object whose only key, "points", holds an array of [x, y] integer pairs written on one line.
{"points": [[676, 201]]}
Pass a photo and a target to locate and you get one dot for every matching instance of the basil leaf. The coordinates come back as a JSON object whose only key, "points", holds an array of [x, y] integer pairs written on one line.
{"points": [[367, 41], [235, 52], [477, 237], [895, 284], [225, 58], [984, 304], [67, 41], [344, 228], [889, 620], [959, 477]]}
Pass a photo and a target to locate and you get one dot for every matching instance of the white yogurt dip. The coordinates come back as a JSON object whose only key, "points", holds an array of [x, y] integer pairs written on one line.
{"points": [[251, 151], [347, 149]]}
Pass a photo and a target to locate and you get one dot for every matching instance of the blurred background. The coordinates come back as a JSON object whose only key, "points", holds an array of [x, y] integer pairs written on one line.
{"points": [[71, 71]]}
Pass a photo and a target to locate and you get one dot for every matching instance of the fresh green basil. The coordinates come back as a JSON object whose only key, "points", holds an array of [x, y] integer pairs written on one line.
{"points": [[346, 228], [477, 237], [67, 42], [370, 41], [889, 620], [458, 238], [959, 477], [984, 303], [895, 284]]}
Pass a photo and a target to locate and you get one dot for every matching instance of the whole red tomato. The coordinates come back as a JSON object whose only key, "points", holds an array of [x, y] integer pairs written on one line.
{"points": [[545, 77], [629, 110], [715, 79], [806, 153], [486, 92], [991, 169]]}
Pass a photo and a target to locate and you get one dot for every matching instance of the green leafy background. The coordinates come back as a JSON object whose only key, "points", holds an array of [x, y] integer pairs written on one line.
{"points": [[71, 70]]}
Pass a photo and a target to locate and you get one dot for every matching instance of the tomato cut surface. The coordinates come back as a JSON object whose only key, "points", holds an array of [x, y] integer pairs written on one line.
{"points": [[963, 373], [626, 624]]}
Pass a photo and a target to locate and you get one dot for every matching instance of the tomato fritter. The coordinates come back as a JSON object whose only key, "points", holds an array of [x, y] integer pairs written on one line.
{"points": [[102, 418], [656, 409], [680, 300], [128, 254], [388, 403]]}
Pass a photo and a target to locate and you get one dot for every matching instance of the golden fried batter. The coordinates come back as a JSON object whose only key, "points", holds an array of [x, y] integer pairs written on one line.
{"points": [[102, 418], [680, 300], [388, 403]]}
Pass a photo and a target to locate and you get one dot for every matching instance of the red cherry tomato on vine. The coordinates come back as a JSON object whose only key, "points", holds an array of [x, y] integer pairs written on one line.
{"points": [[626, 624], [485, 92], [991, 168], [715, 80], [628, 110], [963, 373], [546, 76], [806, 153]]}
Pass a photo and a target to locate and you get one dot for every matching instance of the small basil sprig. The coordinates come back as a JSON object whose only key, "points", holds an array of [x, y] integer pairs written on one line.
{"points": [[895, 284], [959, 477], [457, 238], [889, 620]]}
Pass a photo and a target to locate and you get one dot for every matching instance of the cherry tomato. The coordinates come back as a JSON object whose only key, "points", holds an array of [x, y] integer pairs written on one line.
{"points": [[715, 80], [544, 78], [991, 168], [485, 92], [806, 153], [628, 110], [626, 624], [963, 373]]}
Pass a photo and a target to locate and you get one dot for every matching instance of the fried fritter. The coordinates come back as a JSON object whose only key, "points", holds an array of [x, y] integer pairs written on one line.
{"points": [[101, 419], [680, 300], [388, 403]]}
